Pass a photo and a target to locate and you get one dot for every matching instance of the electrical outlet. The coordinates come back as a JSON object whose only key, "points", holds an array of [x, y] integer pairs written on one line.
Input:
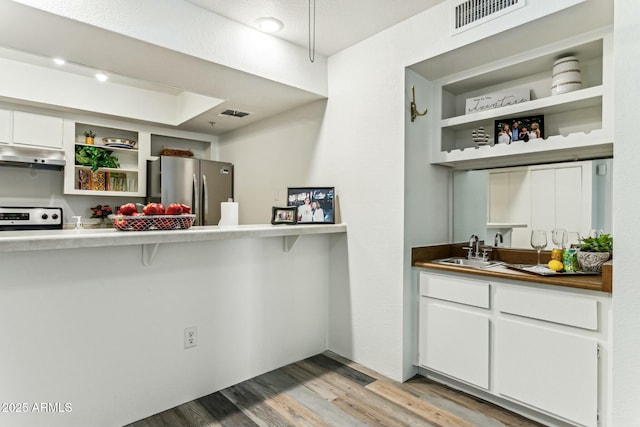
{"points": [[190, 337]]}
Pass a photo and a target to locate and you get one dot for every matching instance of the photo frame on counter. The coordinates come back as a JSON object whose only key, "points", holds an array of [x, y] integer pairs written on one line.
{"points": [[528, 129], [315, 205], [284, 215]]}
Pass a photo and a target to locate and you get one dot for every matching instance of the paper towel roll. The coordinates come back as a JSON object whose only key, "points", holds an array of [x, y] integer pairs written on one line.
{"points": [[228, 213]]}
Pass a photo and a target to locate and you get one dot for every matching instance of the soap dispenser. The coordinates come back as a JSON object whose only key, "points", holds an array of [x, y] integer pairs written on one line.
{"points": [[79, 225]]}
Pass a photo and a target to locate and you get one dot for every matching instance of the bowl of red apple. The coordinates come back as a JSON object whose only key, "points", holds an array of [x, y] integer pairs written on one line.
{"points": [[154, 216]]}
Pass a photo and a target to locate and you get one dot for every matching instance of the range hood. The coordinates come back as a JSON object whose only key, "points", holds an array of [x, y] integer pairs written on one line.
{"points": [[27, 157]]}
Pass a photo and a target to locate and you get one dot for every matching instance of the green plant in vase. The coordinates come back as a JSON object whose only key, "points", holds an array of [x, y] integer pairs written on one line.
{"points": [[89, 137], [96, 157], [595, 251]]}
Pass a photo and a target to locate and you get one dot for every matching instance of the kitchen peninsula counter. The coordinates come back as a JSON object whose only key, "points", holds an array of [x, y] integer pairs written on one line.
{"points": [[111, 308], [423, 256], [17, 241]]}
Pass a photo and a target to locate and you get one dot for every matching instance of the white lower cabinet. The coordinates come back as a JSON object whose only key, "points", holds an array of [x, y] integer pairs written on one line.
{"points": [[552, 370], [456, 342], [454, 328], [542, 347]]}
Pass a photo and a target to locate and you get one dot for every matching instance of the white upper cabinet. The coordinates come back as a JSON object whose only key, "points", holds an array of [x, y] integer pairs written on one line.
{"points": [[576, 124], [37, 130], [557, 195], [5, 126]]}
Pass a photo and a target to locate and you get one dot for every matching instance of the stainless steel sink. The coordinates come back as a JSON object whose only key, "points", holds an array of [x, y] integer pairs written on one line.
{"points": [[465, 262]]}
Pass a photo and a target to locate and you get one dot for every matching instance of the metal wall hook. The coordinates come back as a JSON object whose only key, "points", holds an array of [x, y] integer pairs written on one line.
{"points": [[414, 109]]}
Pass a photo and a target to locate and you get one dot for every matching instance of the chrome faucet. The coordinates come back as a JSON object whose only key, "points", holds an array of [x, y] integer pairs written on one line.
{"points": [[498, 239], [474, 247], [475, 242], [473, 250]]}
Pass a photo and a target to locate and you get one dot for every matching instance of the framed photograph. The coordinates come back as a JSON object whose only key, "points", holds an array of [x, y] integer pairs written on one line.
{"points": [[286, 215], [523, 129], [315, 204]]}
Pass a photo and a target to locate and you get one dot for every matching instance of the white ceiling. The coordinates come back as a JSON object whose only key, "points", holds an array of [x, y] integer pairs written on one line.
{"points": [[339, 23], [36, 36]]}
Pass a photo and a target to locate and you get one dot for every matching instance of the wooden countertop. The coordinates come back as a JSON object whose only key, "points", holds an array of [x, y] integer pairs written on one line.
{"points": [[422, 257]]}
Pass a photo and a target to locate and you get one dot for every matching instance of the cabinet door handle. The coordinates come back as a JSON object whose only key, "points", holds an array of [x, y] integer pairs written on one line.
{"points": [[195, 200], [205, 200]]}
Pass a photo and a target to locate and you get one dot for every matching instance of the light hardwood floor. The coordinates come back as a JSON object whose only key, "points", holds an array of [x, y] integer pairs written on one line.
{"points": [[327, 390]]}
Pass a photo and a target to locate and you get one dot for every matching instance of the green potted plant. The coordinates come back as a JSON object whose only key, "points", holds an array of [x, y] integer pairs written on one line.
{"points": [[96, 157], [89, 137], [595, 251]]}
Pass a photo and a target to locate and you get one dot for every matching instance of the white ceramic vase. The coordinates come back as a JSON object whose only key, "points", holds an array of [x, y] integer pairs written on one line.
{"points": [[566, 75]]}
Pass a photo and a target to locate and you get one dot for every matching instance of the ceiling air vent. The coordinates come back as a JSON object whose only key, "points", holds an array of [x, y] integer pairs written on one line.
{"points": [[234, 113], [471, 13]]}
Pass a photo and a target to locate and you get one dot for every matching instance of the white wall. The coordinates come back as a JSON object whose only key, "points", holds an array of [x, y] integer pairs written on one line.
{"points": [[270, 156], [626, 200], [426, 209], [96, 329], [31, 187], [360, 149]]}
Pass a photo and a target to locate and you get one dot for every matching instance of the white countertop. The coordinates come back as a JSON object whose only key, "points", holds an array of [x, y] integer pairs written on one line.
{"points": [[16, 241]]}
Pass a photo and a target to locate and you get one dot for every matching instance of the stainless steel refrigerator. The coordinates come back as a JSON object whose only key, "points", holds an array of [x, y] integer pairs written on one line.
{"points": [[201, 184]]}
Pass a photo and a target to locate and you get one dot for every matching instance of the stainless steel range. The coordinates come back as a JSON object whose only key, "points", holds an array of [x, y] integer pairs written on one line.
{"points": [[30, 218]]}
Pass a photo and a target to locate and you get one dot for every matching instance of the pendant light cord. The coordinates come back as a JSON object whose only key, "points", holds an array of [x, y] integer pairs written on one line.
{"points": [[312, 31]]}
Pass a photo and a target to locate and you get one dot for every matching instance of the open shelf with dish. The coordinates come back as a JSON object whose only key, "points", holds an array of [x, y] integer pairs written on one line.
{"points": [[576, 124], [119, 174]]}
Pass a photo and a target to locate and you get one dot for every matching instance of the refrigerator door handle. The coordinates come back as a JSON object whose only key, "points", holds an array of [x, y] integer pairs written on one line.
{"points": [[195, 200], [205, 200]]}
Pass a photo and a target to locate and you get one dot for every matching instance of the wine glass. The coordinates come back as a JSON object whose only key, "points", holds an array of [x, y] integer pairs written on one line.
{"points": [[538, 241], [559, 237], [573, 239]]}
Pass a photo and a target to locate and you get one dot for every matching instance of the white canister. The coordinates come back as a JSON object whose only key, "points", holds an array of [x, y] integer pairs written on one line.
{"points": [[566, 75]]}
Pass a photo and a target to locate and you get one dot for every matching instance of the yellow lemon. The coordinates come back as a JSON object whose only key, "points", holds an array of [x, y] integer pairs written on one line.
{"points": [[555, 265]]}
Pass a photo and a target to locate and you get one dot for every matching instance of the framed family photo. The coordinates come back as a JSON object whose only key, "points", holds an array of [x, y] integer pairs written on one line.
{"points": [[315, 205], [522, 129], [285, 215]]}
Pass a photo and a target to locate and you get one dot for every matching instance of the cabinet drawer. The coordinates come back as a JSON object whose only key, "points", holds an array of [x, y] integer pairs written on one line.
{"points": [[470, 292], [581, 312]]}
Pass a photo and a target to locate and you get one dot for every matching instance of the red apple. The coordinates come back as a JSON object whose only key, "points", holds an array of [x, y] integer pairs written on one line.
{"points": [[186, 209], [120, 223], [164, 223], [154, 209], [140, 223], [174, 209], [128, 209]]}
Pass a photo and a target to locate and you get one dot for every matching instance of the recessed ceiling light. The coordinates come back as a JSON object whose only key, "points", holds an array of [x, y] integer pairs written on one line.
{"points": [[269, 25], [101, 77], [59, 61]]}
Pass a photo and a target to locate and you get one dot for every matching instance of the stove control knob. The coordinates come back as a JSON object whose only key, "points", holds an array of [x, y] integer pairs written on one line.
{"points": [[45, 216], [54, 216]]}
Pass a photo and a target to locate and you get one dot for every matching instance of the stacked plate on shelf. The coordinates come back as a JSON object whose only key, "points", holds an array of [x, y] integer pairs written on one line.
{"points": [[118, 142], [566, 75]]}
